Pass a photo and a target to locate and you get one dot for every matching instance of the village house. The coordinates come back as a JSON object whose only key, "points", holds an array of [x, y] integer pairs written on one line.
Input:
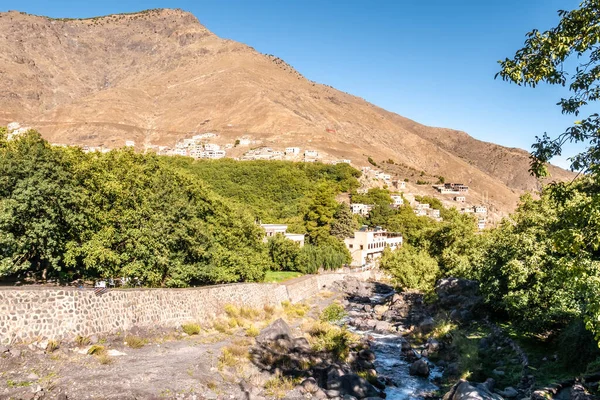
{"points": [[362, 190], [335, 162], [274, 229], [481, 224], [129, 143], [460, 199], [292, 151], [311, 154], [398, 200], [213, 154], [244, 142], [367, 245], [180, 151], [480, 209], [212, 147], [433, 213], [362, 209], [400, 185]]}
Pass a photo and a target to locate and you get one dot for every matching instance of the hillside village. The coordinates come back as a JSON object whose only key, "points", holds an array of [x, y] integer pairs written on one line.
{"points": [[203, 147]]}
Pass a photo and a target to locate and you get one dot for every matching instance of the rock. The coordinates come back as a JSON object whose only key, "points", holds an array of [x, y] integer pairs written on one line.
{"points": [[62, 396], [405, 346], [451, 370], [498, 372], [380, 309], [348, 397], [540, 395], [15, 353], [382, 326], [319, 394], [279, 331], [367, 354], [210, 395], [4, 349], [33, 377], [432, 345], [115, 353], [332, 393], [578, 392], [301, 344], [419, 368], [334, 375], [309, 385], [94, 339], [396, 298], [427, 325], [463, 390], [510, 392], [357, 386]]}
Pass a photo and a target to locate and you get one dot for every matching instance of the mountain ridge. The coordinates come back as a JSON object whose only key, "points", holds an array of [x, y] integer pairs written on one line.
{"points": [[159, 75]]}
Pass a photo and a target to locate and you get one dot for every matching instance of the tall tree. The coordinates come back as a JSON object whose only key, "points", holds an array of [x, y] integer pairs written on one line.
{"points": [[548, 57], [344, 224]]}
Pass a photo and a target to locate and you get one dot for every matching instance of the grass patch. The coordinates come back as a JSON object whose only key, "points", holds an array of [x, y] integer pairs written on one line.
{"points": [[96, 350], [234, 355], [281, 276], [232, 311], [269, 310], [13, 384], [333, 313], [252, 331], [82, 340], [221, 326], [191, 328], [135, 342], [332, 339], [297, 310], [105, 359], [52, 346], [443, 328], [279, 385]]}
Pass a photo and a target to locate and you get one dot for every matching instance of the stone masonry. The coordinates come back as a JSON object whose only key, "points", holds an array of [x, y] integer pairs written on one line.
{"points": [[33, 314]]}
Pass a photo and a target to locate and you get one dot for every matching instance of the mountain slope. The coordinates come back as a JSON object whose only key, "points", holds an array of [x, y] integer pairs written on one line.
{"points": [[158, 75]]}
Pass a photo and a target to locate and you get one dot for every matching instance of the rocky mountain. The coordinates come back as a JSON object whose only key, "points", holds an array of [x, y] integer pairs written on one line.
{"points": [[158, 76]]}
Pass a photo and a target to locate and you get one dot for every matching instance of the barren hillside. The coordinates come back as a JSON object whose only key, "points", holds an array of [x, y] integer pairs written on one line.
{"points": [[159, 75]]}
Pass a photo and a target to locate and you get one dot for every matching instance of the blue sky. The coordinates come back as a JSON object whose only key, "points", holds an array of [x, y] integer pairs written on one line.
{"points": [[433, 61]]}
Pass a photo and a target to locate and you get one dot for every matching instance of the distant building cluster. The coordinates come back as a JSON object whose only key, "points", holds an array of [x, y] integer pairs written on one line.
{"points": [[452, 188], [263, 153], [197, 147]]}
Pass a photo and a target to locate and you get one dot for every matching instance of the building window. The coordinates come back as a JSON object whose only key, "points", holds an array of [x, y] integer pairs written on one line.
{"points": [[350, 246]]}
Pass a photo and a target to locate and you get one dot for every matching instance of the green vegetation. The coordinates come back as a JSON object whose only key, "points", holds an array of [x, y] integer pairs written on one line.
{"points": [[411, 268], [67, 215], [135, 342], [280, 276], [332, 339], [333, 313], [191, 328]]}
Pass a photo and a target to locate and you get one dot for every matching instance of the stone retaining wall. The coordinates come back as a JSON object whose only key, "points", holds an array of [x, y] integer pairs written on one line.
{"points": [[31, 314]]}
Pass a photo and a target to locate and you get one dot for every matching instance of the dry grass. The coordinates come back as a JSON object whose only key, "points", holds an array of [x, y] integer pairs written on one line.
{"points": [[293, 311], [191, 328], [96, 350], [52, 346], [234, 355], [252, 331], [135, 342], [221, 326], [105, 359], [269, 310], [82, 340], [278, 386]]}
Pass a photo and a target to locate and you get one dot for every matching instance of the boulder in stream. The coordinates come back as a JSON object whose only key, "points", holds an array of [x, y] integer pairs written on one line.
{"points": [[463, 390], [419, 368]]}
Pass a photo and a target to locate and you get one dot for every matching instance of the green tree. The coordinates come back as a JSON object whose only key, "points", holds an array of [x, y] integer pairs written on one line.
{"points": [[411, 268], [284, 253], [319, 214], [343, 225], [568, 54]]}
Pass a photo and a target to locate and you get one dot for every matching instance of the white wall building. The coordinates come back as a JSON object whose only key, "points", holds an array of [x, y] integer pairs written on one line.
{"points": [[129, 143], [311, 153], [460, 199], [480, 209], [292, 151], [398, 200], [274, 229], [367, 245], [362, 209]]}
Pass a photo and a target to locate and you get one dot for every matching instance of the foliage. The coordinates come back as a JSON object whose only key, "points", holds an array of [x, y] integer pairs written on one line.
{"points": [[281, 276], [65, 214], [371, 161], [327, 256], [411, 268], [343, 224], [333, 339], [333, 313], [284, 253], [191, 328], [547, 57]]}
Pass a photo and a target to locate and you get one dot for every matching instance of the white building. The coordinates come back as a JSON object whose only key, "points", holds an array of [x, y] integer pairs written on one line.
{"points": [[180, 152], [398, 200], [274, 229], [212, 147], [245, 142], [367, 245], [213, 154], [311, 153], [433, 213], [481, 224], [292, 151], [460, 199], [362, 209], [480, 209], [362, 190], [344, 161]]}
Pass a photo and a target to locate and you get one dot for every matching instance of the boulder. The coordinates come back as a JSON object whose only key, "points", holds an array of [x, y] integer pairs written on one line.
{"points": [[354, 385], [509, 392], [278, 332], [309, 385], [419, 368], [367, 354], [427, 325], [463, 390], [578, 392], [382, 326], [301, 344]]}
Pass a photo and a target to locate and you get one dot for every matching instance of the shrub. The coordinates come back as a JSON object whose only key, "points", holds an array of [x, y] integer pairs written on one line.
{"points": [[294, 310], [252, 331], [52, 346], [333, 313], [191, 328], [82, 340], [232, 311], [411, 268], [373, 163], [333, 339], [135, 342], [96, 350]]}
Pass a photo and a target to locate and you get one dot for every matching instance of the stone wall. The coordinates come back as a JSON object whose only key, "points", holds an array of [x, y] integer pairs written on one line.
{"points": [[31, 314]]}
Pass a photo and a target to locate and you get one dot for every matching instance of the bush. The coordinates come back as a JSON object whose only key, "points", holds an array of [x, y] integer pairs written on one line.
{"points": [[411, 268], [372, 162], [333, 313], [135, 342], [191, 329]]}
